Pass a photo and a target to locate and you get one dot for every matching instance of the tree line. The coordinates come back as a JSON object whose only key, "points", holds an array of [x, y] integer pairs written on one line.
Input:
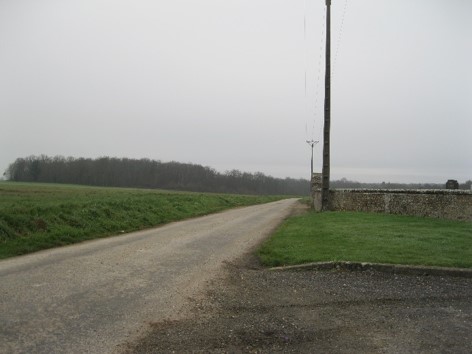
{"points": [[146, 173]]}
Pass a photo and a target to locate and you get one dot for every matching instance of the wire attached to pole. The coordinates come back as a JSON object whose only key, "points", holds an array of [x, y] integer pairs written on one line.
{"points": [[340, 34], [312, 106]]}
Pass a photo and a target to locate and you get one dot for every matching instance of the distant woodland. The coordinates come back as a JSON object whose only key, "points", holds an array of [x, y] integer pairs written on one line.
{"points": [[146, 173]]}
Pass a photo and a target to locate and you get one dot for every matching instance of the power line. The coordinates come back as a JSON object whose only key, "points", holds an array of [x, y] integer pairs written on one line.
{"points": [[312, 106], [340, 33], [319, 74]]}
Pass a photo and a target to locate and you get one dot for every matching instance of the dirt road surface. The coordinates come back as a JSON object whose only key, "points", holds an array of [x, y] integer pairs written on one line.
{"points": [[92, 297]]}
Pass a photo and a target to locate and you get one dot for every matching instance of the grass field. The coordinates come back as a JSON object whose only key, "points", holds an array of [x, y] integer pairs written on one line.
{"points": [[39, 216], [368, 237]]}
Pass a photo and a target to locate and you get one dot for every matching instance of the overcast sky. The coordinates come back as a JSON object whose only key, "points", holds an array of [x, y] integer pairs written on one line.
{"points": [[222, 83]]}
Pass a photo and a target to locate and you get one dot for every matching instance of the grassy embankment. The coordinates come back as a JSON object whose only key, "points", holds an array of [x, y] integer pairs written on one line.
{"points": [[39, 216], [369, 237]]}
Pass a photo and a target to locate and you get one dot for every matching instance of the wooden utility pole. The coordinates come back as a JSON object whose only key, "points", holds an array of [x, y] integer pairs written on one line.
{"points": [[327, 113], [312, 144]]}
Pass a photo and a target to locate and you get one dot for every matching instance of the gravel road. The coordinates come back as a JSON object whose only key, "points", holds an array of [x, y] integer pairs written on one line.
{"points": [[92, 297]]}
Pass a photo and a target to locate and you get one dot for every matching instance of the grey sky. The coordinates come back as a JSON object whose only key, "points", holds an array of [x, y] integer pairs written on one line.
{"points": [[222, 83]]}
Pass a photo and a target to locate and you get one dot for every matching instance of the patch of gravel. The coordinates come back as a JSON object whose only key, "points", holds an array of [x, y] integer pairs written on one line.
{"points": [[254, 310]]}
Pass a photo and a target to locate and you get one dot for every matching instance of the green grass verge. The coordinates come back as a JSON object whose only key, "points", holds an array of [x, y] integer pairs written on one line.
{"points": [[39, 216], [369, 237]]}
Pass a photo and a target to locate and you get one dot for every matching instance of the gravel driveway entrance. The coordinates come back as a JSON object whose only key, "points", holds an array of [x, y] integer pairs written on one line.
{"points": [[261, 311]]}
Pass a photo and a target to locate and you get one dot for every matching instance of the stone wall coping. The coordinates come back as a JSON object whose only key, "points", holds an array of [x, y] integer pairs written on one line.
{"points": [[405, 191]]}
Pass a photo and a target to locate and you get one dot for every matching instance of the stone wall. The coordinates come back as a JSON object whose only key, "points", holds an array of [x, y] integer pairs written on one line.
{"points": [[447, 204]]}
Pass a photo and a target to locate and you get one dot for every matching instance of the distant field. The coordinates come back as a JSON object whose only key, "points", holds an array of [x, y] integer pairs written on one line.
{"points": [[369, 237], [39, 216]]}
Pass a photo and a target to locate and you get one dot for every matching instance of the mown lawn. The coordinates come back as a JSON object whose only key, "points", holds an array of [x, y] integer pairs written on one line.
{"points": [[39, 216], [369, 237]]}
